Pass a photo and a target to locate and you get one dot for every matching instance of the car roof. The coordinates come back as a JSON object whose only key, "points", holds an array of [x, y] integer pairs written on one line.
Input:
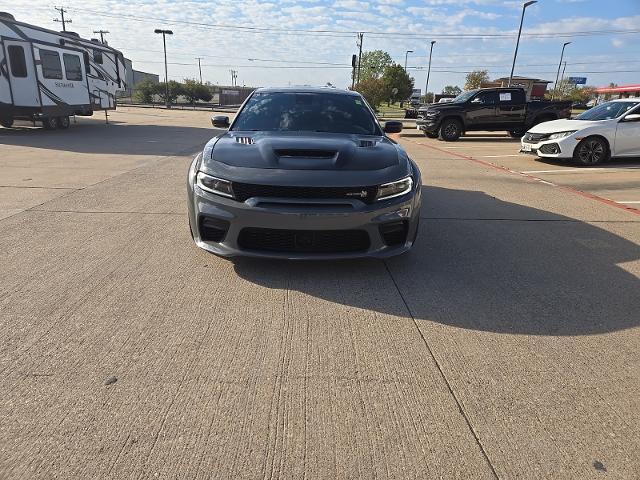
{"points": [[307, 89], [630, 99]]}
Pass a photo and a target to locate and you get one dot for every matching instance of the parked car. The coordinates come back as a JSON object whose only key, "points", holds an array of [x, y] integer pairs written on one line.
{"points": [[304, 173], [488, 109], [610, 129]]}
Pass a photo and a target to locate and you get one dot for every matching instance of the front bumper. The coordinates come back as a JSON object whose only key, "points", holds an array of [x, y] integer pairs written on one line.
{"points": [[428, 124], [281, 214], [558, 148]]}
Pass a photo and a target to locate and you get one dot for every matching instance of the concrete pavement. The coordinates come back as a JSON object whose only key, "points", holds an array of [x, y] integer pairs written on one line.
{"points": [[503, 346]]}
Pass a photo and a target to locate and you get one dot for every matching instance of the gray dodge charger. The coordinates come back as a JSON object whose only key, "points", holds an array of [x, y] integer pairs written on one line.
{"points": [[304, 173]]}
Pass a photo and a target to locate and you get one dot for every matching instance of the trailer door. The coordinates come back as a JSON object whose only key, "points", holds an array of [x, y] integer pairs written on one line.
{"points": [[22, 74]]}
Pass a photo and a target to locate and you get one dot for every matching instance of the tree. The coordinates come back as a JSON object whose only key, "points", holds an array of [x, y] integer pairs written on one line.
{"points": [[373, 64], [195, 91], [395, 78], [475, 79], [144, 91], [373, 90], [428, 98], [452, 90], [175, 90]]}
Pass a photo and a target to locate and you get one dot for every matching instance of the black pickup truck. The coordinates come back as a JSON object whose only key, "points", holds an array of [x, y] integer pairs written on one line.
{"points": [[488, 109]]}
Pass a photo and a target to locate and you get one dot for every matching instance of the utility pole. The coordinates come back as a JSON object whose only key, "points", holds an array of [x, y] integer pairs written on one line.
{"points": [[166, 74], [426, 87], [558, 74], [234, 76], [563, 69], [359, 43], [354, 61], [63, 21], [101, 32], [199, 68], [515, 54]]}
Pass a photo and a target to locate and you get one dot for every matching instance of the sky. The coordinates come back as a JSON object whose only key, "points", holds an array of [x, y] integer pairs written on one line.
{"points": [[269, 42]]}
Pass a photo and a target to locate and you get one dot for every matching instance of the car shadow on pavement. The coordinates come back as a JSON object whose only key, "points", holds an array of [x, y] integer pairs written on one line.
{"points": [[115, 138], [484, 264], [466, 138], [612, 164]]}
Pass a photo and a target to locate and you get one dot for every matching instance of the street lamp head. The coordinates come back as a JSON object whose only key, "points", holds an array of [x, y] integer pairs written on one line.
{"points": [[530, 3], [409, 51], [567, 43], [159, 30], [432, 42]]}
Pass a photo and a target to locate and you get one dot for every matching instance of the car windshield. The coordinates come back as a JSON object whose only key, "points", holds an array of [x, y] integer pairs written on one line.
{"points": [[307, 111], [607, 111], [464, 96]]}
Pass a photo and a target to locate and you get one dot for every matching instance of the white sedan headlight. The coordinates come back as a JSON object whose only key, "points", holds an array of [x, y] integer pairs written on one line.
{"points": [[395, 189], [214, 185], [555, 136]]}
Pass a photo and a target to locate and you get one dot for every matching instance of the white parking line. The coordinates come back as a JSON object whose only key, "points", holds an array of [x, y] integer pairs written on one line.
{"points": [[500, 156], [630, 201]]}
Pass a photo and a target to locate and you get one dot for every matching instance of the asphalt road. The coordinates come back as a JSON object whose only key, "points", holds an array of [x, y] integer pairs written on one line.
{"points": [[505, 345]]}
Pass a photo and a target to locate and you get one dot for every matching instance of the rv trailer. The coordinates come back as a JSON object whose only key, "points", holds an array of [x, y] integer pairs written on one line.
{"points": [[48, 76]]}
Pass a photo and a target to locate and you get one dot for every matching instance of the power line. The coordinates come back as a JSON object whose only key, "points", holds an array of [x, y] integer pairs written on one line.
{"points": [[102, 33], [344, 33], [62, 19]]}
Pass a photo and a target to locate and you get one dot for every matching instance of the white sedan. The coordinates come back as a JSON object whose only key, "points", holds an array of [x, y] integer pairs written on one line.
{"points": [[611, 129]]}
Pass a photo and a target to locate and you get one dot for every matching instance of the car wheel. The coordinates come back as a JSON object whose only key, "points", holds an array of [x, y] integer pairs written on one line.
{"points": [[591, 151], [50, 123], [431, 135], [450, 130], [63, 123], [6, 122], [516, 133]]}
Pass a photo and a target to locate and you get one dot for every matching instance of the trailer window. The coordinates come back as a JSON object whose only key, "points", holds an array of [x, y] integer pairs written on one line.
{"points": [[51, 66], [72, 67], [18, 62], [97, 56]]}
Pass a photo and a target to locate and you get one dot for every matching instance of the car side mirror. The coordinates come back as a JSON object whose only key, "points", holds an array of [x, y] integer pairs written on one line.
{"points": [[634, 117], [220, 121], [392, 126]]}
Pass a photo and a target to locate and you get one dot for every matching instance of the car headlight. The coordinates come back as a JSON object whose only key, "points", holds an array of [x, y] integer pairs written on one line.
{"points": [[555, 136], [214, 185], [395, 189], [433, 113]]}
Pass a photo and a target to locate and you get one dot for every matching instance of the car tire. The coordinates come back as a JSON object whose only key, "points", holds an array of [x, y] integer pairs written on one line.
{"points": [[50, 123], [431, 135], [6, 122], [450, 130], [516, 133], [591, 151], [63, 123]]}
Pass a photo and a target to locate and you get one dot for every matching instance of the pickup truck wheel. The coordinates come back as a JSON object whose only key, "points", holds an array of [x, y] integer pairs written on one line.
{"points": [[50, 123], [63, 123], [431, 135], [450, 130], [591, 151], [6, 122]]}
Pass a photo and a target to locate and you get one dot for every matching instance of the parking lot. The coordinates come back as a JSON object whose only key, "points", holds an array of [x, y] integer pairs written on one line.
{"points": [[504, 345]]}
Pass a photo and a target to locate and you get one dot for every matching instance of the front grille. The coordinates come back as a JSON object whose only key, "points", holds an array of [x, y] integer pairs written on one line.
{"points": [[394, 233], [303, 241], [535, 137], [244, 191], [212, 229]]}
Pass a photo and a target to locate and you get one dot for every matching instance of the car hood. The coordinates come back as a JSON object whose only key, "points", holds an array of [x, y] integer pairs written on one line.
{"points": [[441, 107], [305, 158], [555, 126]]}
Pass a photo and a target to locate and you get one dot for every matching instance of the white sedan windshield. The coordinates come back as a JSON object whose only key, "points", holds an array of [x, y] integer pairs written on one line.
{"points": [[607, 111]]}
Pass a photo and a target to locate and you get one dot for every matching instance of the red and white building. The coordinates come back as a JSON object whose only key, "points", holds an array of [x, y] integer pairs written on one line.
{"points": [[621, 91]]}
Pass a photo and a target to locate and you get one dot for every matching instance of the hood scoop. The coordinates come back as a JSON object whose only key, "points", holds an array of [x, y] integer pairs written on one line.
{"points": [[304, 153], [244, 140]]}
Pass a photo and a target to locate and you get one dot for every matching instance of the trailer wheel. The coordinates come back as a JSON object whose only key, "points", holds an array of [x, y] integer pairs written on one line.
{"points": [[50, 123], [6, 122], [63, 123]]}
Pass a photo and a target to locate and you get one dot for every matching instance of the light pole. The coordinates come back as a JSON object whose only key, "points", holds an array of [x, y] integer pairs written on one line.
{"points": [[405, 59], [166, 75], [199, 68], [515, 54], [426, 87], [558, 74]]}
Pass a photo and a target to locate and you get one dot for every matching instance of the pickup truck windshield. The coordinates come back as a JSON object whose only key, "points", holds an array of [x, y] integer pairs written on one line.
{"points": [[464, 96], [309, 112], [607, 111]]}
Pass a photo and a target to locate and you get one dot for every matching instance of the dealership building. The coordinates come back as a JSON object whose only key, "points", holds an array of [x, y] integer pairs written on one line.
{"points": [[621, 91]]}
